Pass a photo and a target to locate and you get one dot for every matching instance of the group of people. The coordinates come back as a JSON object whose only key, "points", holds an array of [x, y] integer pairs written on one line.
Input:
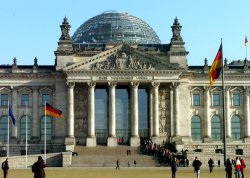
{"points": [[118, 164], [37, 168]]}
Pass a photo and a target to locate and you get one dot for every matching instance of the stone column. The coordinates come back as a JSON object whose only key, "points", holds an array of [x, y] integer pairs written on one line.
{"points": [[112, 140], [91, 139], [172, 110], [246, 115], [207, 123], [35, 120], [227, 115], [155, 87], [176, 110], [151, 112], [13, 133], [70, 139], [134, 140]]}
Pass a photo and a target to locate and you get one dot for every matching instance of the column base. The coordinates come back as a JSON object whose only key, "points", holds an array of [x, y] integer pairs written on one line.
{"points": [[91, 142], [156, 140], [135, 141], [70, 143], [112, 142]]}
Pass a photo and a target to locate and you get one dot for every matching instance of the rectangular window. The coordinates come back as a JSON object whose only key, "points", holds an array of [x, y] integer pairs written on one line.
{"points": [[196, 100], [4, 99], [24, 100], [236, 99], [216, 99], [45, 98]]}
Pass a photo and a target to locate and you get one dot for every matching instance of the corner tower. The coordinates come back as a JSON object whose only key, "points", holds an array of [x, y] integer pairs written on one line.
{"points": [[177, 52]]}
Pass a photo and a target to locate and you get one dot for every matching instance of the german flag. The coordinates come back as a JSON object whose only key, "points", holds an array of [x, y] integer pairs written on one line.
{"points": [[214, 71], [51, 111]]}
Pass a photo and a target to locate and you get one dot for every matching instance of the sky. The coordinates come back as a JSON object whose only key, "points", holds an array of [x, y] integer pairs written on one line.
{"points": [[31, 28]]}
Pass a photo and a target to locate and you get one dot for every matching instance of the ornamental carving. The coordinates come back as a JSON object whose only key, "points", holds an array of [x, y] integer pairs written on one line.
{"points": [[81, 107], [164, 111], [122, 61]]}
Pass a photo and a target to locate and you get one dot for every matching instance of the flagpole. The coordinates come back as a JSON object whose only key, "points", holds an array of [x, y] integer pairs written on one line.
{"points": [[246, 51], [8, 135], [45, 132], [223, 110], [26, 135]]}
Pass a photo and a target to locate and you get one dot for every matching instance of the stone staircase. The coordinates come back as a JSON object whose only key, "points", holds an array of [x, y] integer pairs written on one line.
{"points": [[102, 156]]}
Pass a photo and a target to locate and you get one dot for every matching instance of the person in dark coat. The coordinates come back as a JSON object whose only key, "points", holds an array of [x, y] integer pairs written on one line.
{"points": [[228, 169], [211, 165], [197, 166], [174, 167], [5, 168], [38, 168]]}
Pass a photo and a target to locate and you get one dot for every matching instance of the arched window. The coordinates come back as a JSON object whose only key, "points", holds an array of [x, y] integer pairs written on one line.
{"points": [[23, 128], [196, 128], [3, 128], [216, 128], [48, 127], [236, 127]]}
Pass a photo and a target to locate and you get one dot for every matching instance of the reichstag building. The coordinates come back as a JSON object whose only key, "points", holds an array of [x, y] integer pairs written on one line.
{"points": [[115, 82]]}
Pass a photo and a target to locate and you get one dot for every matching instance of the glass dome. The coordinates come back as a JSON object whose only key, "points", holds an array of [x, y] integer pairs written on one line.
{"points": [[114, 27]]}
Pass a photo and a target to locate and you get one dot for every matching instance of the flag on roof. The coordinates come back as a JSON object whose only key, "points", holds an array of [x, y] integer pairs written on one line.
{"points": [[246, 41]]}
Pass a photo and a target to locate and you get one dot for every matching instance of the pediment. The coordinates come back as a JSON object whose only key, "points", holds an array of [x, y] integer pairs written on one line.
{"points": [[236, 90], [24, 90], [122, 57], [5, 90], [197, 89], [45, 90], [216, 89]]}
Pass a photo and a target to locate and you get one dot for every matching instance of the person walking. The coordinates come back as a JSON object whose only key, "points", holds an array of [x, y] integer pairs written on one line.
{"points": [[38, 168], [5, 168], [117, 164], [228, 169], [237, 167], [174, 167], [211, 165], [197, 166], [242, 167], [135, 163]]}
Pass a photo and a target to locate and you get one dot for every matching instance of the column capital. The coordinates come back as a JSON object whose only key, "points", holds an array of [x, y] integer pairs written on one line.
{"points": [[71, 84], [206, 88], [246, 88], [175, 85], [227, 88], [112, 84], [134, 84], [155, 84], [91, 84]]}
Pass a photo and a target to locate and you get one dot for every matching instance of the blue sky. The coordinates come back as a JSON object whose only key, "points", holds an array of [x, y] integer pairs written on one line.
{"points": [[31, 29]]}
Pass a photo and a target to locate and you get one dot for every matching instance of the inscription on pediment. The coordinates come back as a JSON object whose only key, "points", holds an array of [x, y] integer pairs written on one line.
{"points": [[122, 61]]}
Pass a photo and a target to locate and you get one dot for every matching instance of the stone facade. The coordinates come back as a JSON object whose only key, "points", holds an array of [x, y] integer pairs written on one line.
{"points": [[177, 95]]}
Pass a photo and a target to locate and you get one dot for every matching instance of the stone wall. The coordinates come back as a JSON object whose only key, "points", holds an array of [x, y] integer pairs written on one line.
{"points": [[63, 159]]}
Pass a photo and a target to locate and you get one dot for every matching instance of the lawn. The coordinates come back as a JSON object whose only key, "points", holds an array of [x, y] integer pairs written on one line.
{"points": [[122, 173]]}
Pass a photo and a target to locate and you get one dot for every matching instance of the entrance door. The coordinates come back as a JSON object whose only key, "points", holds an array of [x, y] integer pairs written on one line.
{"points": [[101, 115], [122, 115]]}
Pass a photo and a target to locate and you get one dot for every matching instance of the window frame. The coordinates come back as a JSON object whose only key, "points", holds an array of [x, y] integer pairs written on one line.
{"points": [[194, 101]]}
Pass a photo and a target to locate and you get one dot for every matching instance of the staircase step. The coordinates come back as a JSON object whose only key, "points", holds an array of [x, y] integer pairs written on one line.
{"points": [[102, 156]]}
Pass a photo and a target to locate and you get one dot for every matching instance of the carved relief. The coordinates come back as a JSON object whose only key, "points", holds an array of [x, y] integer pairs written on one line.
{"points": [[164, 111], [81, 108], [121, 61]]}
